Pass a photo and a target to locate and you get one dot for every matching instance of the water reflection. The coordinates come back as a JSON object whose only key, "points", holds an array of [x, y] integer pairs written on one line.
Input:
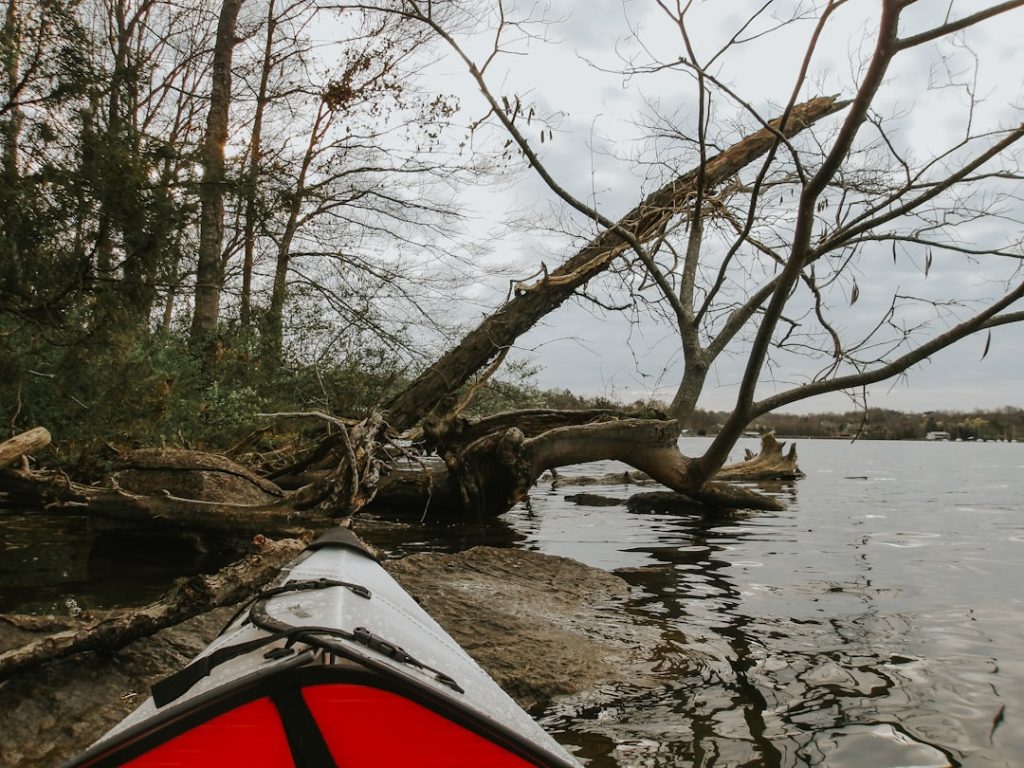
{"points": [[743, 690], [841, 632], [56, 564]]}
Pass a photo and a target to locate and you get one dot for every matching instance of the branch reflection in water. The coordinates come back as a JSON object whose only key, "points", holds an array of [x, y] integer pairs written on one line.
{"points": [[872, 624]]}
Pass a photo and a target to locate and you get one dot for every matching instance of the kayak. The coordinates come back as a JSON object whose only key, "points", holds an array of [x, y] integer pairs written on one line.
{"points": [[333, 665]]}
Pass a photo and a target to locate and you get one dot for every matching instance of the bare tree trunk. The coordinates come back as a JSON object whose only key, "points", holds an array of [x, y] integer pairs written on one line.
{"points": [[255, 156], [497, 471], [273, 330], [531, 303], [210, 269], [11, 48]]}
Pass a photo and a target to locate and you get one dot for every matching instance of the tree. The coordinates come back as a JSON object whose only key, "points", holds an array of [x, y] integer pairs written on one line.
{"points": [[43, 50], [210, 267], [866, 213]]}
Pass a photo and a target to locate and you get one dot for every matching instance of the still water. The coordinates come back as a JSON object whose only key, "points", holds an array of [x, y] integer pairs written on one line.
{"points": [[878, 622]]}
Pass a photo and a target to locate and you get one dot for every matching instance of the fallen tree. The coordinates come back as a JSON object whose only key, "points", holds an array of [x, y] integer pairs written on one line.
{"points": [[490, 464]]}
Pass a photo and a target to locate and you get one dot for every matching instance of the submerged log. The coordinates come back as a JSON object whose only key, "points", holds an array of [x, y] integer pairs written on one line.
{"points": [[666, 502]]}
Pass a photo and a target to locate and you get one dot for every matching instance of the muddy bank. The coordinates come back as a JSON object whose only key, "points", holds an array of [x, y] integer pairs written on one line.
{"points": [[542, 626]]}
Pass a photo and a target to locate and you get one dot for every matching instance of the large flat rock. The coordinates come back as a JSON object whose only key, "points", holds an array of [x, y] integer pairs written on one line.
{"points": [[542, 626]]}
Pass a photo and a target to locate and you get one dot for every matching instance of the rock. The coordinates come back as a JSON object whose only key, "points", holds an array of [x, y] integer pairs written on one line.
{"points": [[55, 712], [542, 626], [593, 500]]}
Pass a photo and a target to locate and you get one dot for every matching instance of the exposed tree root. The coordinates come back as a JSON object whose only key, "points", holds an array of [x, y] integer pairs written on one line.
{"points": [[496, 471]]}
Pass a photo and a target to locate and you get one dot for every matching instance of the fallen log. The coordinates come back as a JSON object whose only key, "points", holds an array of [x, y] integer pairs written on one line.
{"points": [[189, 597], [55, 493], [23, 444], [497, 471]]}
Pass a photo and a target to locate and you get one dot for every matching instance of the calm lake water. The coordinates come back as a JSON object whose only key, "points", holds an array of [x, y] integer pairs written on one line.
{"points": [[878, 622]]}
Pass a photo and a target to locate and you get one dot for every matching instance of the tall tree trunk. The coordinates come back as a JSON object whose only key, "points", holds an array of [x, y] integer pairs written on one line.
{"points": [[210, 269], [273, 327], [11, 48], [255, 155], [11, 39], [500, 329]]}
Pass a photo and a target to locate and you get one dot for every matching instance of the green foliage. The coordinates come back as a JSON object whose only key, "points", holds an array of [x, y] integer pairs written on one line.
{"points": [[150, 387]]}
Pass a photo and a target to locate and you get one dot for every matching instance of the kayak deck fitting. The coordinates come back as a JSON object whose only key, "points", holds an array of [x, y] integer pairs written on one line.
{"points": [[334, 665]]}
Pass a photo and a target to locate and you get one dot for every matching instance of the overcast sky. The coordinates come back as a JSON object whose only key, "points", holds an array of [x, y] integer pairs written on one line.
{"points": [[596, 116]]}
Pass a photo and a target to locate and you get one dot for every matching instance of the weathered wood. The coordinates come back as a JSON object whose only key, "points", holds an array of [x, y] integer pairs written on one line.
{"points": [[55, 493], [495, 472], [189, 597], [140, 465], [23, 444], [452, 434], [770, 464]]}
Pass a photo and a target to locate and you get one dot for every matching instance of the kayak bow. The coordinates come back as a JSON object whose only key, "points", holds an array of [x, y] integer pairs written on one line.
{"points": [[334, 665]]}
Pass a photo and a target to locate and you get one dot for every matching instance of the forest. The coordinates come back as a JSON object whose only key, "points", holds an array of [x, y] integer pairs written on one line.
{"points": [[215, 211]]}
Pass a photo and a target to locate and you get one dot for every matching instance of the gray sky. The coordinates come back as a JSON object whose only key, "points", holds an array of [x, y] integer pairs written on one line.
{"points": [[595, 116]]}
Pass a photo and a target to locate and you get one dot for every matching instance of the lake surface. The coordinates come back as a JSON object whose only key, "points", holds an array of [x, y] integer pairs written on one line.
{"points": [[878, 622]]}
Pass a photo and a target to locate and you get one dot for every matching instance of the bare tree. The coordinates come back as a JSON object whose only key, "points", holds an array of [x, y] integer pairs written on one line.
{"points": [[864, 211]]}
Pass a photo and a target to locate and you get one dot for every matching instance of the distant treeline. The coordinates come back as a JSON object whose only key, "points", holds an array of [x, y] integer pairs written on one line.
{"points": [[1006, 423]]}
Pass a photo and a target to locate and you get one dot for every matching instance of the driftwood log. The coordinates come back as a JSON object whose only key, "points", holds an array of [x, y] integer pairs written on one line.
{"points": [[769, 464], [54, 493], [113, 629], [23, 444]]}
